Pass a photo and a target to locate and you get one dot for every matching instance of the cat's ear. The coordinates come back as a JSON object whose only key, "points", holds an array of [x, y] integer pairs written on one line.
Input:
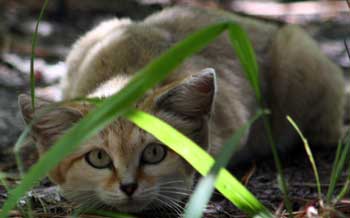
{"points": [[49, 120], [194, 97]]}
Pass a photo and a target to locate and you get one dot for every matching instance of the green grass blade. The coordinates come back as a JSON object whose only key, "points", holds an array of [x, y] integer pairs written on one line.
{"points": [[228, 185], [205, 187], [338, 167], [17, 148], [334, 178], [112, 107], [246, 55], [309, 154], [34, 41], [345, 190], [333, 181], [17, 153]]}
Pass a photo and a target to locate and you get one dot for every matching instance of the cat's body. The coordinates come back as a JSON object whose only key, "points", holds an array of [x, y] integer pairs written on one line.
{"points": [[297, 79]]}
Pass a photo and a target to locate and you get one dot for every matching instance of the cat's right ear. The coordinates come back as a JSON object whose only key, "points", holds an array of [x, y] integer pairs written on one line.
{"points": [[49, 120], [193, 98], [189, 104]]}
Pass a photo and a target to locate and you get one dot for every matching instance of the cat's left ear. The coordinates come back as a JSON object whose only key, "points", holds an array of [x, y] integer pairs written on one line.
{"points": [[193, 98], [49, 120]]}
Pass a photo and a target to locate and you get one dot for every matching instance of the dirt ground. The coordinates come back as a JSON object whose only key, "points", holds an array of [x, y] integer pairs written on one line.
{"points": [[62, 25]]}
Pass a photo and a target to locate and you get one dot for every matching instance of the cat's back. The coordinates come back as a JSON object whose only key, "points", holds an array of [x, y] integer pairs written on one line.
{"points": [[183, 20], [122, 47]]}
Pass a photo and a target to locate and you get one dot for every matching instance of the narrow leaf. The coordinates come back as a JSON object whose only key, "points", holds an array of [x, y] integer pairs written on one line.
{"points": [[309, 154], [34, 41], [228, 185], [205, 187]]}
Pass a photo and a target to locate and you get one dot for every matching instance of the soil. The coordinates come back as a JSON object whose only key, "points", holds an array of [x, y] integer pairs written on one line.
{"points": [[60, 27]]}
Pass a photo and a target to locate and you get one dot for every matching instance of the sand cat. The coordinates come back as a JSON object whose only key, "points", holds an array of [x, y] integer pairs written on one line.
{"points": [[207, 99]]}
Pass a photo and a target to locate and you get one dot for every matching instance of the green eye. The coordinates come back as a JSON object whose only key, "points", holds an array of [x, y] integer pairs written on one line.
{"points": [[98, 158], [153, 153]]}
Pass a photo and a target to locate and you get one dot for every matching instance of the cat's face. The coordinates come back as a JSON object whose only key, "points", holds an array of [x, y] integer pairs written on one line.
{"points": [[123, 167]]}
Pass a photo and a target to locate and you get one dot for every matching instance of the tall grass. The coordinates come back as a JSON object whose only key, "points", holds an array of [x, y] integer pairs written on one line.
{"points": [[34, 41], [247, 58], [309, 154], [340, 161]]}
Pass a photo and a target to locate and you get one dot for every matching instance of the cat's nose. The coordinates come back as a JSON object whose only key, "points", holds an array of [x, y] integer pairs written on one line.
{"points": [[128, 188]]}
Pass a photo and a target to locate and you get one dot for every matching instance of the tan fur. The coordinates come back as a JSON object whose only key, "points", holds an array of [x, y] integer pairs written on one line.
{"points": [[297, 79]]}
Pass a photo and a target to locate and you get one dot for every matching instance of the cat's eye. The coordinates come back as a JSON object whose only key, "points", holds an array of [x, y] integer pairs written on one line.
{"points": [[153, 153], [98, 158]]}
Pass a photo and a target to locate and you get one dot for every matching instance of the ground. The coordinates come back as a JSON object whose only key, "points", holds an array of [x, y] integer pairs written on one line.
{"points": [[62, 26]]}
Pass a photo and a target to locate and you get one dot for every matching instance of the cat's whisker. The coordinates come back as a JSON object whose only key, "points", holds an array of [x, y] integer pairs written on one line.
{"points": [[146, 190], [159, 196], [175, 189], [216, 193], [171, 205], [174, 193], [160, 193], [174, 203], [169, 198], [180, 188], [179, 207], [171, 185], [167, 206], [164, 184], [171, 182], [115, 200], [166, 189], [89, 199]]}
